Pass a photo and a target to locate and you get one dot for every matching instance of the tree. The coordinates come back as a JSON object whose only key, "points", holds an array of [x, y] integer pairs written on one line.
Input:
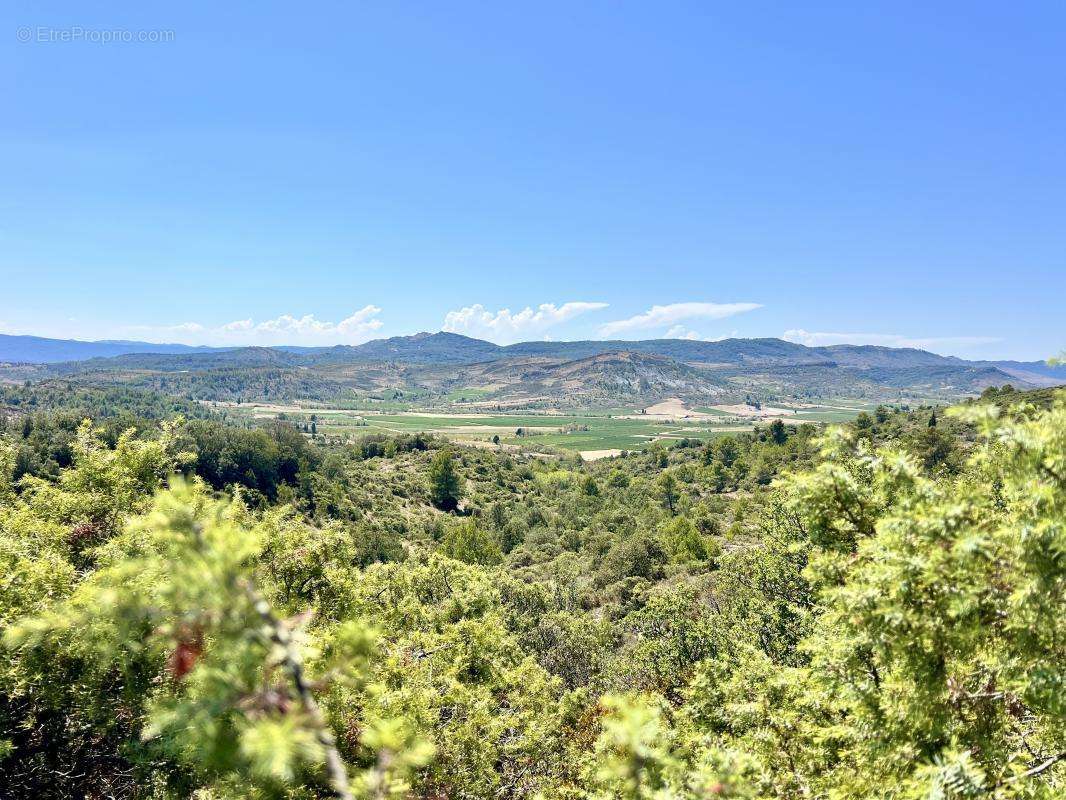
{"points": [[668, 492], [938, 645], [718, 477], [727, 449], [778, 434], [175, 606], [684, 541], [936, 449], [465, 541], [444, 485]]}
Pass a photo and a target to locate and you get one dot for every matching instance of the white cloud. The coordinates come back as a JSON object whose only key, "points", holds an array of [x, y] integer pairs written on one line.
{"points": [[286, 329], [189, 327], [822, 339], [503, 327], [681, 332], [672, 314]]}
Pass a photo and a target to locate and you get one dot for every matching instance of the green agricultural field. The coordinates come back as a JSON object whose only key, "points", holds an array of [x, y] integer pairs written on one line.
{"points": [[825, 414], [611, 437], [570, 432], [410, 423], [576, 432]]}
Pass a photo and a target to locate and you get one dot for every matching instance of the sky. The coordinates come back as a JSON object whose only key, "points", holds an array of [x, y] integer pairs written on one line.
{"points": [[268, 173]]}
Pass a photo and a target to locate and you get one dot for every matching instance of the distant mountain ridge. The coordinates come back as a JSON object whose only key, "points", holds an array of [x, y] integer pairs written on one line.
{"points": [[433, 348], [41, 350], [774, 364]]}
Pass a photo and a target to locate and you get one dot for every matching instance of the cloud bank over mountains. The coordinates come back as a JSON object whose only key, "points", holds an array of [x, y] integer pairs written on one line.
{"points": [[659, 321], [935, 343], [670, 316], [505, 327], [286, 329]]}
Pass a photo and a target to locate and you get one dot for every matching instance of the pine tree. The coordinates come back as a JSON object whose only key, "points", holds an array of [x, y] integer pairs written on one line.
{"points": [[444, 486]]}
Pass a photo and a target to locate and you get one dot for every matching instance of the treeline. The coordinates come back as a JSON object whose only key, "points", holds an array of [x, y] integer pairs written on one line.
{"points": [[232, 383], [41, 421], [100, 403]]}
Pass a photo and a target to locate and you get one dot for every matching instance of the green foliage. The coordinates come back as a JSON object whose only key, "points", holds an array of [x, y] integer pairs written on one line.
{"points": [[445, 490], [175, 594], [668, 490], [261, 460], [636, 757], [684, 541], [876, 612], [938, 659], [467, 542]]}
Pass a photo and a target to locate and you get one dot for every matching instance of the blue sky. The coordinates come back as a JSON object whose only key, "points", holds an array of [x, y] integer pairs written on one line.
{"points": [[890, 173]]}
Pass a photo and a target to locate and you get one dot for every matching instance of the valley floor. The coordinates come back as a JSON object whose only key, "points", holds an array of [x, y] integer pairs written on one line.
{"points": [[591, 434]]}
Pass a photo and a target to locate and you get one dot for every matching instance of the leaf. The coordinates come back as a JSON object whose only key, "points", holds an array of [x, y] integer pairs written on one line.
{"points": [[274, 746]]}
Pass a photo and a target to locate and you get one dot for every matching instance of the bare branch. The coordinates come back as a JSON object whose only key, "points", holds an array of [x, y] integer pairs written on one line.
{"points": [[1029, 773], [279, 634]]}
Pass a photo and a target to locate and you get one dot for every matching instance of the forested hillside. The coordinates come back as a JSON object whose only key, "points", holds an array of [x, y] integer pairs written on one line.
{"points": [[192, 609]]}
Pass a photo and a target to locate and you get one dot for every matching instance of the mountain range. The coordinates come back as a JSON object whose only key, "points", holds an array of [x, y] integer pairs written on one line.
{"points": [[40, 350], [583, 371]]}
